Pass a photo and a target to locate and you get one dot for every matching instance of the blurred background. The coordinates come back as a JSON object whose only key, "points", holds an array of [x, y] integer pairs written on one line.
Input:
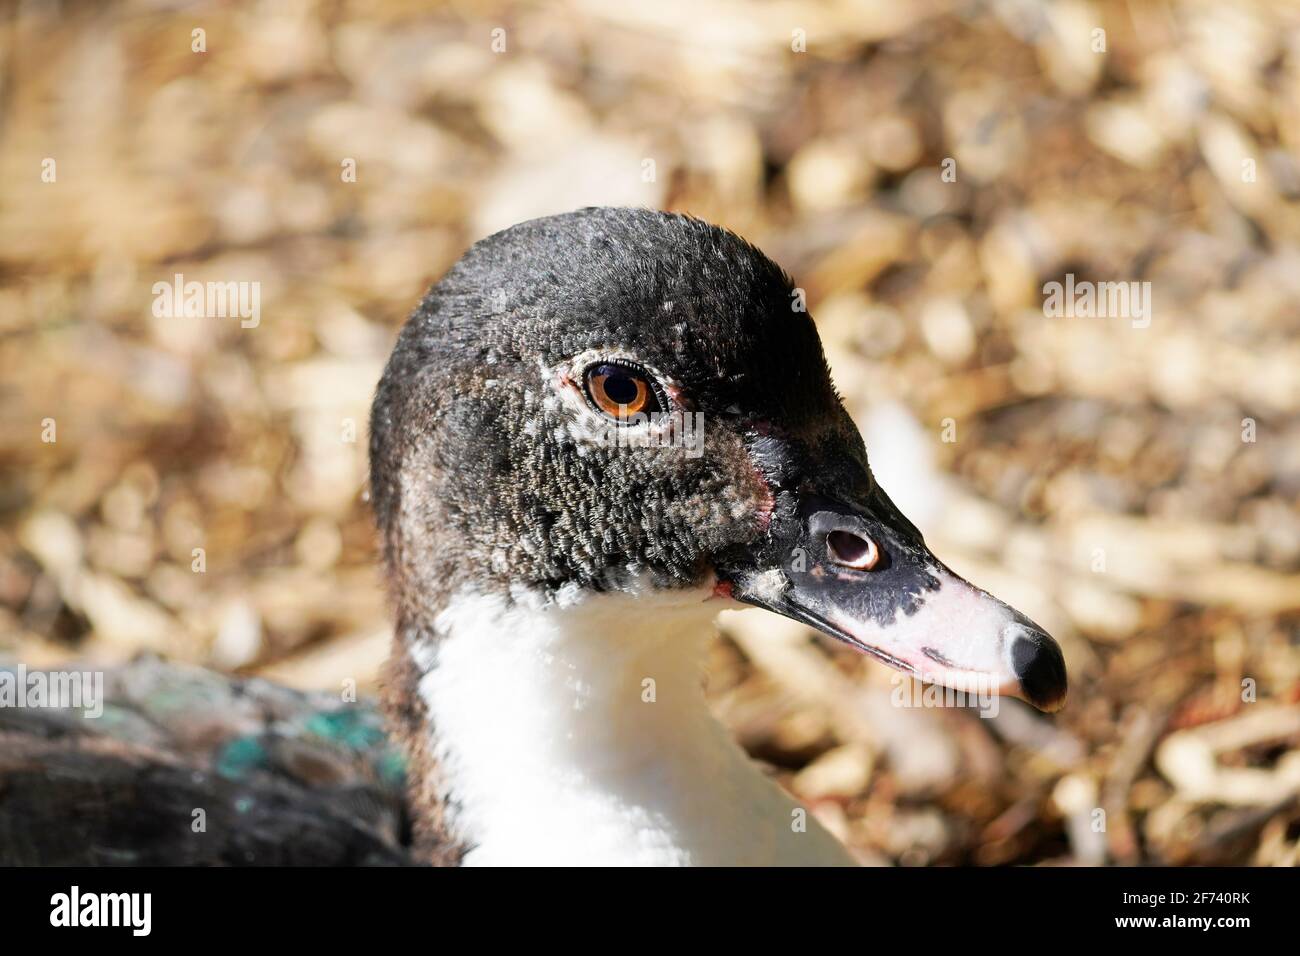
{"points": [[1135, 490]]}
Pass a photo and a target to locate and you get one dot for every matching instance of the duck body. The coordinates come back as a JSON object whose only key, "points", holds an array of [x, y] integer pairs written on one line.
{"points": [[188, 767], [596, 432]]}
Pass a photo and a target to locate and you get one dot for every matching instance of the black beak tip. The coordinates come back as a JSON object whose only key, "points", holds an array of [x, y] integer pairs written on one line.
{"points": [[1039, 665]]}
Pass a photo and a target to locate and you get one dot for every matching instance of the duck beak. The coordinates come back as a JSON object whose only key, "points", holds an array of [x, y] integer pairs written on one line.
{"points": [[863, 575]]}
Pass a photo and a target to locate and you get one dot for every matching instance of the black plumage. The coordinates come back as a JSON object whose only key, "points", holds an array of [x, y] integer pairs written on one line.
{"points": [[187, 767]]}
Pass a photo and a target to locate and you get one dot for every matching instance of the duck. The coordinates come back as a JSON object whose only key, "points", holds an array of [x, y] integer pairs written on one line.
{"points": [[597, 431]]}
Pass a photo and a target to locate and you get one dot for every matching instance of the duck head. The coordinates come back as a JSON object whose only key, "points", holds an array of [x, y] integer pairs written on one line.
{"points": [[619, 400]]}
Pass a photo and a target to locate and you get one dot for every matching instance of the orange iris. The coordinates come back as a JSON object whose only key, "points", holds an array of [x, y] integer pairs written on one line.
{"points": [[617, 391]]}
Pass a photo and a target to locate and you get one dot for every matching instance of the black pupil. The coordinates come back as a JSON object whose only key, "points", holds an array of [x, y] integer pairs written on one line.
{"points": [[619, 386]]}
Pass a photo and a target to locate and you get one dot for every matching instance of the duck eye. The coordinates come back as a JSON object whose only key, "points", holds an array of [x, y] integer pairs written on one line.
{"points": [[619, 390]]}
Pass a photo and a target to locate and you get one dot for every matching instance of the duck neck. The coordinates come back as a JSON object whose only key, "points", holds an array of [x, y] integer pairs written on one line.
{"points": [[577, 731]]}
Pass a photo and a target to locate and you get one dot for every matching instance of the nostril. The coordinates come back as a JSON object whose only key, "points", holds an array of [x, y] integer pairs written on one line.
{"points": [[852, 550]]}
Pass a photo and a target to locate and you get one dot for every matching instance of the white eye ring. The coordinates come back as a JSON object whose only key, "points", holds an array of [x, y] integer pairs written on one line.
{"points": [[852, 550]]}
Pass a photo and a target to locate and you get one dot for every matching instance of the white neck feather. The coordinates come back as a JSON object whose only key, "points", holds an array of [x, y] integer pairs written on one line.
{"points": [[576, 731]]}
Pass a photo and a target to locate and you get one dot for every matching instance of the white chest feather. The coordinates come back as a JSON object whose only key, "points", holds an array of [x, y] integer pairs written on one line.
{"points": [[577, 733]]}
